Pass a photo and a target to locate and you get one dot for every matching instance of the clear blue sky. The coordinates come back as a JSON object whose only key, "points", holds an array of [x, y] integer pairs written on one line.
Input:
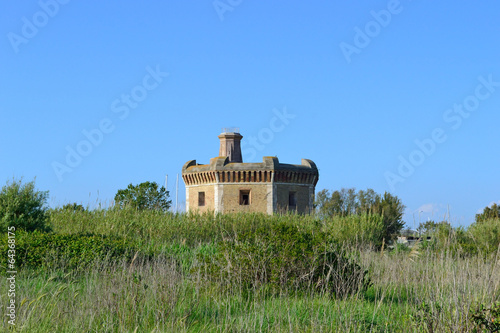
{"points": [[355, 84]]}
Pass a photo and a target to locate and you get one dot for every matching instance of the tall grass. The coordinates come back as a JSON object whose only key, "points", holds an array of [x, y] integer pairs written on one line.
{"points": [[429, 293], [158, 228], [417, 291]]}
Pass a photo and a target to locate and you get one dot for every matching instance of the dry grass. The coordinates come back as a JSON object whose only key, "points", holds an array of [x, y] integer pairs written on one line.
{"points": [[428, 293], [416, 291]]}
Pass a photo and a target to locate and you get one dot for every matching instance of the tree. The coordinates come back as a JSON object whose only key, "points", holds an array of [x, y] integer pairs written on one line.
{"points": [[145, 196], [489, 213], [339, 203], [392, 210], [74, 207], [347, 202], [23, 207], [427, 228], [367, 201]]}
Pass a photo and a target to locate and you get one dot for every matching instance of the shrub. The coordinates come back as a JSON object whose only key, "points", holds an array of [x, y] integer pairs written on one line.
{"points": [[487, 319], [284, 258], [486, 234], [48, 250], [365, 230], [145, 196], [22, 206], [489, 213], [74, 207], [347, 202]]}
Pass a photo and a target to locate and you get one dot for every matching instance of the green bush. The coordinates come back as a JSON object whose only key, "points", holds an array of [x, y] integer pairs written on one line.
{"points": [[486, 235], [366, 230], [487, 319], [489, 213], [78, 251], [284, 258], [74, 207], [401, 248], [480, 238], [145, 196], [22, 207], [348, 202]]}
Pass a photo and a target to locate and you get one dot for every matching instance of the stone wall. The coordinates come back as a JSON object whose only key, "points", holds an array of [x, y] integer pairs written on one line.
{"points": [[192, 198], [260, 195], [302, 195], [269, 184]]}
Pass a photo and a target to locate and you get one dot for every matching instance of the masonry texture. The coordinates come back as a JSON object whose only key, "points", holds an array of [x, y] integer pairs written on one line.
{"points": [[228, 185]]}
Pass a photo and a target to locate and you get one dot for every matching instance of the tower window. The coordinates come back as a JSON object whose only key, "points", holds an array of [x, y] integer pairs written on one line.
{"points": [[201, 199], [245, 197], [292, 199]]}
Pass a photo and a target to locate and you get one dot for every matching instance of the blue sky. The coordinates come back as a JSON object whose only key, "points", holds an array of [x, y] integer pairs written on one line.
{"points": [[399, 96]]}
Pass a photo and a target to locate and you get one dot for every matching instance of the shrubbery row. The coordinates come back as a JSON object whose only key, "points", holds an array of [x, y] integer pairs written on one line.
{"points": [[78, 251], [285, 259]]}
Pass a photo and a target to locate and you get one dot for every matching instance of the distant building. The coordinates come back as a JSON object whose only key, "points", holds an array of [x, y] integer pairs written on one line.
{"points": [[229, 185]]}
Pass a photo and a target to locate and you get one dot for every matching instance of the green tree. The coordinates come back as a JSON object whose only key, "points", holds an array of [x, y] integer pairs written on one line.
{"points": [[347, 202], [23, 207], [489, 213], [486, 234], [392, 209], [338, 203], [74, 207], [147, 195], [367, 201], [428, 228]]}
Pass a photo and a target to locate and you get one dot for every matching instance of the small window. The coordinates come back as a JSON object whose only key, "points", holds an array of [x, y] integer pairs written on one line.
{"points": [[292, 199], [201, 198], [245, 197]]}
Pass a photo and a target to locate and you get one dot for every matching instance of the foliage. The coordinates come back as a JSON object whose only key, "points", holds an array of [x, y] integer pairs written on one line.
{"points": [[156, 228], [479, 238], [360, 231], [74, 207], [22, 206], [392, 210], [145, 196], [489, 213], [48, 250], [486, 235], [347, 202], [487, 319], [428, 228], [285, 259], [188, 284], [435, 291]]}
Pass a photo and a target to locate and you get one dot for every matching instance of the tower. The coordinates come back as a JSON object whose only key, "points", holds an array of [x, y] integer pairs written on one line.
{"points": [[230, 145], [227, 184]]}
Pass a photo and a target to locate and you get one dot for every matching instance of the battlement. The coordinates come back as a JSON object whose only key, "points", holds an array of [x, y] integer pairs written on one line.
{"points": [[270, 170], [227, 184]]}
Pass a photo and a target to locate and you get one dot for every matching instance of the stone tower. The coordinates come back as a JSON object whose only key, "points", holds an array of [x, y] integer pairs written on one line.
{"points": [[230, 146], [229, 185]]}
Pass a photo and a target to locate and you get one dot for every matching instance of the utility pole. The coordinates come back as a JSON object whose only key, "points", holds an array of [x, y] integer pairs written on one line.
{"points": [[177, 194]]}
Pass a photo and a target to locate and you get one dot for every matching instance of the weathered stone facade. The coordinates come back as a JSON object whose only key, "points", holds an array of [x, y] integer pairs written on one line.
{"points": [[229, 185]]}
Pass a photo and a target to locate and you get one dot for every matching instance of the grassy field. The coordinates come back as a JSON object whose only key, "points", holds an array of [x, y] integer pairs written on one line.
{"points": [[166, 284]]}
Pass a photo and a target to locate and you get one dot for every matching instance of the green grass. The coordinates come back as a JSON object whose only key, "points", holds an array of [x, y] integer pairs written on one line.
{"points": [[416, 291]]}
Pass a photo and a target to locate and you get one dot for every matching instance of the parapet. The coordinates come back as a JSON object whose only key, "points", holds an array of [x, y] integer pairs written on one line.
{"points": [[220, 170]]}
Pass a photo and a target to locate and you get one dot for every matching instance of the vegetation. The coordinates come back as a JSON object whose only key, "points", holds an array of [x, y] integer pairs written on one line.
{"points": [[283, 258], [489, 213], [145, 196], [145, 270], [348, 202], [74, 207], [22, 206], [76, 251], [149, 270], [487, 319]]}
